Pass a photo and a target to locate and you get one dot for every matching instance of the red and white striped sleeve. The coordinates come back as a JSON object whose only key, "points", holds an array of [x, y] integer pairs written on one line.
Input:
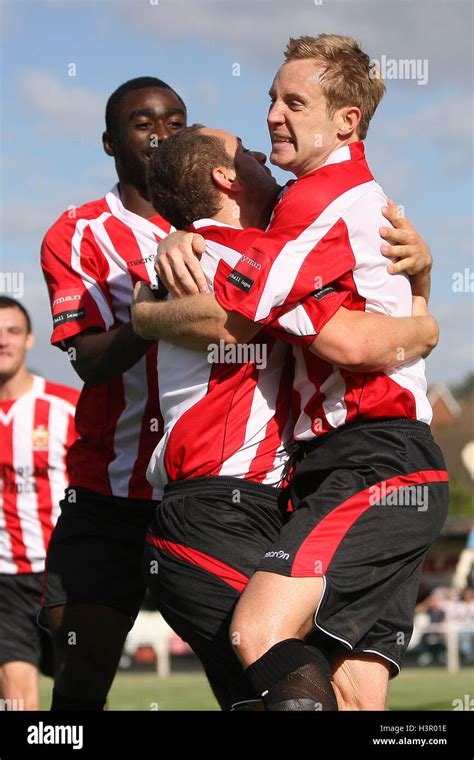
{"points": [[75, 271], [305, 248], [303, 323]]}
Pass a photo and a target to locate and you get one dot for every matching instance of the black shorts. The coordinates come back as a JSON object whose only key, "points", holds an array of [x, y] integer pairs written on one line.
{"points": [[96, 550], [20, 636], [206, 539], [369, 500]]}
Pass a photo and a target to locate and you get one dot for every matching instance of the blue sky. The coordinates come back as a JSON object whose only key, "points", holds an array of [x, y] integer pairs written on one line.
{"points": [[419, 144]]}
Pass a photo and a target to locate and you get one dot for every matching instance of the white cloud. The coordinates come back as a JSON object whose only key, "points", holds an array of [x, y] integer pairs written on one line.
{"points": [[63, 109], [258, 31], [27, 218]]}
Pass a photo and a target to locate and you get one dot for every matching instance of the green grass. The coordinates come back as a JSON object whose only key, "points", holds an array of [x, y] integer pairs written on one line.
{"points": [[414, 689]]}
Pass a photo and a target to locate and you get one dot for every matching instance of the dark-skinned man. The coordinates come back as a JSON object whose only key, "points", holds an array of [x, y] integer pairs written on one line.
{"points": [[91, 259]]}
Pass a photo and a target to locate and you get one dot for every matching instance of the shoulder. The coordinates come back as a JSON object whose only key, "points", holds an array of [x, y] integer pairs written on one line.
{"points": [[366, 205], [61, 393], [236, 239], [66, 224]]}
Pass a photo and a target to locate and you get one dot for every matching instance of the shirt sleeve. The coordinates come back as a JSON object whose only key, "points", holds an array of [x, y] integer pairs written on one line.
{"points": [[299, 254], [303, 323], [76, 275]]}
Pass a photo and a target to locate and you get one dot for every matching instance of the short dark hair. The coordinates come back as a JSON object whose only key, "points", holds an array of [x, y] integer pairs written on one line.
{"points": [[115, 101], [11, 303], [179, 176]]}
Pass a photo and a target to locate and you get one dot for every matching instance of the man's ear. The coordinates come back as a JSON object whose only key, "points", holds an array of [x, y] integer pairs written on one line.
{"points": [[347, 120], [108, 144], [30, 341], [226, 179]]}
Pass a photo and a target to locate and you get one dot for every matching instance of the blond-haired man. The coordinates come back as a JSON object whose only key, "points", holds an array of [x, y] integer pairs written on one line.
{"points": [[369, 491]]}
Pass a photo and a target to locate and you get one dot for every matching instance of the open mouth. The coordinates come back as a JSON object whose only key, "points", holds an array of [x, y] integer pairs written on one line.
{"points": [[282, 140]]}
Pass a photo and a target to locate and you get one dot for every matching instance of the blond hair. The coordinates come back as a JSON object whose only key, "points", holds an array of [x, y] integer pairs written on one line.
{"points": [[349, 78]]}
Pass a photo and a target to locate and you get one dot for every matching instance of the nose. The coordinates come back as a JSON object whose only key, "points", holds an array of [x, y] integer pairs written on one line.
{"points": [[275, 115], [161, 132]]}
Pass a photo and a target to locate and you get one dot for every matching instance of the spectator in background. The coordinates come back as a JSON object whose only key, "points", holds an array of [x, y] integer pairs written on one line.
{"points": [[36, 430], [464, 573]]}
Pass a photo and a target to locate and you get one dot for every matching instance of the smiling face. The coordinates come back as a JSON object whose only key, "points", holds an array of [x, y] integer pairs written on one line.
{"points": [[147, 116], [15, 341], [301, 131]]}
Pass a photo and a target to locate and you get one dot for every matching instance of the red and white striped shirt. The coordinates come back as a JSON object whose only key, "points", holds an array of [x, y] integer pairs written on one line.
{"points": [[36, 431], [324, 239], [91, 258], [231, 416]]}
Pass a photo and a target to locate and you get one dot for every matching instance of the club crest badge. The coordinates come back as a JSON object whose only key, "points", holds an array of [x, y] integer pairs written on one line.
{"points": [[40, 437]]}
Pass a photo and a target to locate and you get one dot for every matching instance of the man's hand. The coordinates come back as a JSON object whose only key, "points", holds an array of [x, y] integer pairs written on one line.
{"points": [[408, 250], [177, 264]]}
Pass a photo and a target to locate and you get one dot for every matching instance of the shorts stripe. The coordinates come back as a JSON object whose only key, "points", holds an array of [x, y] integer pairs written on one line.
{"points": [[232, 577], [323, 541]]}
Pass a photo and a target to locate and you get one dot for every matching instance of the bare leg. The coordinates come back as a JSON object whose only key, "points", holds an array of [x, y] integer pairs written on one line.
{"points": [[19, 682], [271, 609], [271, 621], [361, 681]]}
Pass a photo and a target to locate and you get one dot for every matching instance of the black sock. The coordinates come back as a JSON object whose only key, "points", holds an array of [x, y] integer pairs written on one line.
{"points": [[292, 676], [60, 702]]}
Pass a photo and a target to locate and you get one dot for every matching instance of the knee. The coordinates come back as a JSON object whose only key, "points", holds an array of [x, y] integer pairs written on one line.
{"points": [[353, 698], [250, 638], [19, 690]]}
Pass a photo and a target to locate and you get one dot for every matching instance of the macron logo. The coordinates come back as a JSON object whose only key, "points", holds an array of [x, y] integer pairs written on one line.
{"points": [[44, 734], [63, 299], [277, 555]]}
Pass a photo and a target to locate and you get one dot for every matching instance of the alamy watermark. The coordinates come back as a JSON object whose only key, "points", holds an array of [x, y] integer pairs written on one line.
{"points": [[240, 353], [393, 496], [10, 705], [401, 68], [12, 283]]}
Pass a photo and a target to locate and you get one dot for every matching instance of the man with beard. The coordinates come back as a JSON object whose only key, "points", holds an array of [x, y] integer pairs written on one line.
{"points": [[91, 259]]}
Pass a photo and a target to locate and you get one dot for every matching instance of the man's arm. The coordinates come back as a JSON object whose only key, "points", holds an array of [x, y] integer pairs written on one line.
{"points": [[359, 341], [192, 322], [364, 342], [98, 356], [82, 314], [178, 268]]}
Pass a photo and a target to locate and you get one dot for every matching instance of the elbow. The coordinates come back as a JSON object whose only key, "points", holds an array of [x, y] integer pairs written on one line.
{"points": [[89, 376], [433, 337], [226, 337], [144, 332], [142, 326], [218, 331]]}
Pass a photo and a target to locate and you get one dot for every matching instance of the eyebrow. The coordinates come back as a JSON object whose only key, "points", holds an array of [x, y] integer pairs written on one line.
{"points": [[295, 95], [152, 113]]}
